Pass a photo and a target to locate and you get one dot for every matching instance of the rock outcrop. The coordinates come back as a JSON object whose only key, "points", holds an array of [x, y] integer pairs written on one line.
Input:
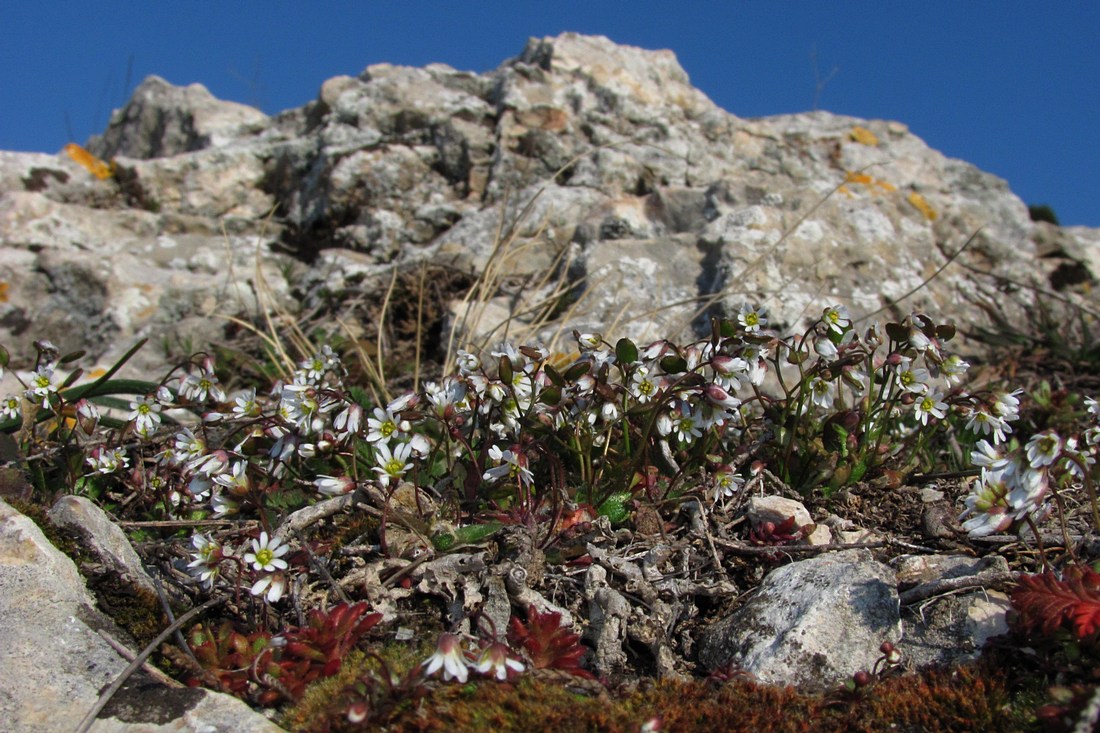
{"points": [[598, 164], [59, 656]]}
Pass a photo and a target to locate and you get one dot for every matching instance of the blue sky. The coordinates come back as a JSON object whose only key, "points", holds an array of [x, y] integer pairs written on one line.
{"points": [[1007, 85]]}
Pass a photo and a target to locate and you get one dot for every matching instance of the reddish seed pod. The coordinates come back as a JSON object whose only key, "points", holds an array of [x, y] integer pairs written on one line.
{"points": [[357, 712], [862, 678]]}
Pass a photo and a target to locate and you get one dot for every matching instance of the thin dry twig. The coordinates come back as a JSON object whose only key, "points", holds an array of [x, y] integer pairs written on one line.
{"points": [[139, 660], [996, 579]]}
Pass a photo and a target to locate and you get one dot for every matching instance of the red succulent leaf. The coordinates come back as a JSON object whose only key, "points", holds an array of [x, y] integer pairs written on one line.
{"points": [[769, 533], [317, 650], [548, 645], [251, 667], [1048, 603]]}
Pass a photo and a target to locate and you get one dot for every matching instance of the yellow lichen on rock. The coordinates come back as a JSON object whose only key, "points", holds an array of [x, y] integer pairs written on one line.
{"points": [[94, 165], [863, 136], [922, 205]]}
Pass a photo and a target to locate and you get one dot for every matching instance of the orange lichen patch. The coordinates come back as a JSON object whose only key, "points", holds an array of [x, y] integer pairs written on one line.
{"points": [[874, 185], [4, 287], [94, 165], [863, 136], [922, 205]]}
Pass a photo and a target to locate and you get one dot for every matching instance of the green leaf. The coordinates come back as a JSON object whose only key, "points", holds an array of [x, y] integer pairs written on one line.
{"points": [[504, 369], [625, 351], [360, 396], [615, 506], [897, 332], [674, 364], [553, 375], [945, 332], [576, 371], [550, 396]]}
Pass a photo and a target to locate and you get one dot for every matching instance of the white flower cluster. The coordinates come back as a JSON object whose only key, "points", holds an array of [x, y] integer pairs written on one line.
{"points": [[494, 660], [1015, 486]]}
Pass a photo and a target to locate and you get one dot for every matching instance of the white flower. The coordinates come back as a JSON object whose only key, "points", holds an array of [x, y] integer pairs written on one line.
{"points": [[1093, 407], [912, 379], [188, 447], [145, 415], [273, 583], [87, 415], [449, 657], [348, 421], [752, 319], [494, 660], [385, 425], [717, 395], [836, 318], [1006, 405], [930, 405], [589, 341], [467, 363], [953, 368], [1027, 489], [391, 464], [726, 483], [822, 393], [1044, 449], [988, 457], [729, 371], [206, 557], [41, 385], [513, 464], [334, 485], [267, 554], [988, 506], [199, 387], [825, 348], [450, 394], [108, 460], [686, 422], [983, 422], [514, 355], [236, 480], [10, 408], [643, 386], [323, 361], [245, 405], [223, 505]]}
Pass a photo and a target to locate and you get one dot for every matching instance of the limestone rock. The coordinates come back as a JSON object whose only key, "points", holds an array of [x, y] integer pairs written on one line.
{"points": [[776, 509], [812, 623], [103, 539], [646, 207], [56, 663], [162, 120]]}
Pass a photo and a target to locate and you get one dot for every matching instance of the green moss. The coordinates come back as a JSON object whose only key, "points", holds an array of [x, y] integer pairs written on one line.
{"points": [[965, 699], [138, 612]]}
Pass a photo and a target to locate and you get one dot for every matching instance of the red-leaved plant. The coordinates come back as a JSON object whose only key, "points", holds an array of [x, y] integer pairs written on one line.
{"points": [[1047, 603], [547, 644], [318, 649], [258, 668]]}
